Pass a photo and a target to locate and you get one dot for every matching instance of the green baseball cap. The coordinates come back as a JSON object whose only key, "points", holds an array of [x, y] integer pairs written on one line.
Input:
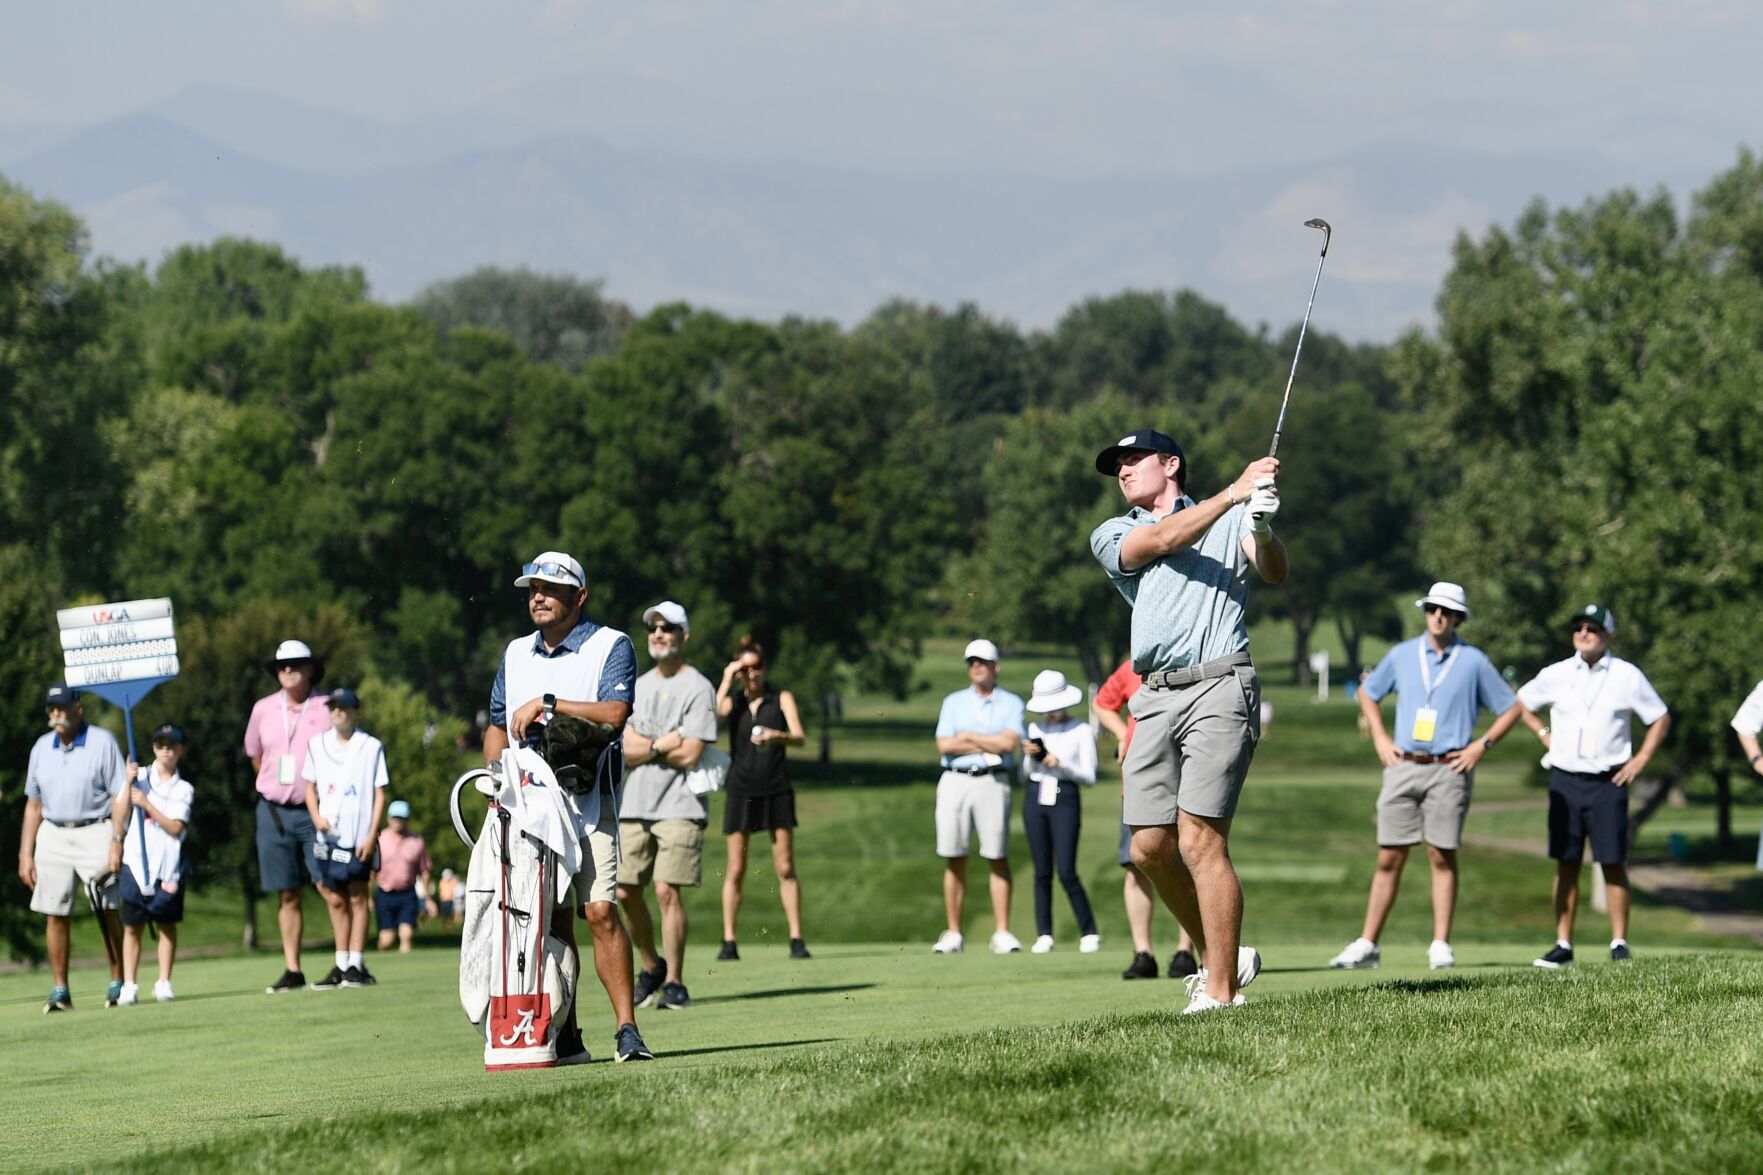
{"points": [[1599, 615]]}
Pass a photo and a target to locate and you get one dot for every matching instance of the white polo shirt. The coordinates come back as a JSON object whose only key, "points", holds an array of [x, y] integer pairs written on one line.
{"points": [[1591, 708], [1749, 719], [148, 851]]}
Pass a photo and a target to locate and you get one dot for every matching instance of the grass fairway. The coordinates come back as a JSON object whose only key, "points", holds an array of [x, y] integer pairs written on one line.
{"points": [[877, 1055], [880, 1057]]}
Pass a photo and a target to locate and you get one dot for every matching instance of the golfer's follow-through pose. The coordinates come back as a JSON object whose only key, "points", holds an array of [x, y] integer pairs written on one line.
{"points": [[1183, 566]]}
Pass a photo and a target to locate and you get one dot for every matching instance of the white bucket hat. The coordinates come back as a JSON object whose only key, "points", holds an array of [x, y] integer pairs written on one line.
{"points": [[669, 611], [1446, 595], [1053, 693]]}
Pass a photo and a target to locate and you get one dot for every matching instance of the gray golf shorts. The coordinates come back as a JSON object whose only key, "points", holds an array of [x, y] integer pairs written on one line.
{"points": [[1420, 802], [1192, 748]]}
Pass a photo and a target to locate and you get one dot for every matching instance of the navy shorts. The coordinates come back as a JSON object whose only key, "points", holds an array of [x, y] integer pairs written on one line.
{"points": [[396, 907], [1587, 807], [284, 844]]}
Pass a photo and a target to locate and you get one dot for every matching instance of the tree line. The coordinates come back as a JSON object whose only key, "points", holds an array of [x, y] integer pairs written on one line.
{"points": [[283, 456]]}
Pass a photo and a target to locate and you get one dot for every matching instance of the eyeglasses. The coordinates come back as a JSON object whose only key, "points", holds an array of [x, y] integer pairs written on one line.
{"points": [[664, 626], [557, 571]]}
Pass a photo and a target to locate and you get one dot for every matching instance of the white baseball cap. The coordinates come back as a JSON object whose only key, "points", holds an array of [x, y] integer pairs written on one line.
{"points": [[1446, 595], [669, 611], [1052, 692], [983, 649], [553, 567]]}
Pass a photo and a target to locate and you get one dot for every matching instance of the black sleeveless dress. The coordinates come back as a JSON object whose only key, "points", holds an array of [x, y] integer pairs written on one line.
{"points": [[758, 796]]}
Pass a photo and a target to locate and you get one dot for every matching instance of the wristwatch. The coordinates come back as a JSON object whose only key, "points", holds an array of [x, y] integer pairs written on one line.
{"points": [[1754, 758], [1487, 744], [550, 701], [117, 837]]}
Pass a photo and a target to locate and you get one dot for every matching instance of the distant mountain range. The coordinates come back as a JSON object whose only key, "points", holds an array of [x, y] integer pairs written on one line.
{"points": [[418, 202]]}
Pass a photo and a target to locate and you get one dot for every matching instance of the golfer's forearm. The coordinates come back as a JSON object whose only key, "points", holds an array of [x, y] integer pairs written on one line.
{"points": [[495, 742], [611, 713], [1181, 530], [1506, 721], [1655, 735], [27, 834], [1270, 558], [1113, 723], [1373, 712], [1752, 747]]}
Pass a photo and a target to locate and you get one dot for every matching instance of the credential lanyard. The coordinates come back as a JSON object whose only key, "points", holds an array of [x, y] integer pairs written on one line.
{"points": [[1426, 668], [288, 734]]}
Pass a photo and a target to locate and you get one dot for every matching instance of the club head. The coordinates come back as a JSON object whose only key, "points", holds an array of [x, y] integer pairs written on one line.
{"points": [[1327, 232]]}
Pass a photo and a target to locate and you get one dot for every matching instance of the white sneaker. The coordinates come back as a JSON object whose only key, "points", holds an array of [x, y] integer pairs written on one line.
{"points": [[131, 994], [949, 942], [1248, 966], [1043, 945], [1089, 944], [1440, 956], [1360, 953], [1199, 1001], [162, 991], [1005, 943]]}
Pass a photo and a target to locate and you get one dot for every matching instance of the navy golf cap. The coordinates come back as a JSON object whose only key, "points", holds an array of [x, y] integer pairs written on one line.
{"points": [[61, 695], [343, 696], [169, 732], [1145, 440]]}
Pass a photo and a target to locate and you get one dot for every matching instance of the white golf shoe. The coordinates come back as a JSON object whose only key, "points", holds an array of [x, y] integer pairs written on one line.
{"points": [[1199, 1001], [1439, 955], [1360, 953], [1043, 945], [949, 942], [1089, 944], [1005, 943], [1248, 966], [130, 994]]}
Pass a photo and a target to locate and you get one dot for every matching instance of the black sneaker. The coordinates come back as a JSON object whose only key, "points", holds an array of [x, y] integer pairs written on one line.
{"points": [[353, 977], [571, 1049], [728, 952], [629, 1043], [334, 978], [674, 996], [649, 985], [290, 981], [1619, 953], [1182, 965], [1557, 958], [366, 976], [1144, 966], [799, 949]]}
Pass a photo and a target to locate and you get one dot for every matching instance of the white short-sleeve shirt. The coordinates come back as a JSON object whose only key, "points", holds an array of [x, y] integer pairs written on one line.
{"points": [[1749, 719], [1591, 706]]}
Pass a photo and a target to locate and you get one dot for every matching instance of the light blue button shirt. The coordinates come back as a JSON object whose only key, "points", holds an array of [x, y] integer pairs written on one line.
{"points": [[75, 781], [1187, 607], [1470, 684], [965, 711]]}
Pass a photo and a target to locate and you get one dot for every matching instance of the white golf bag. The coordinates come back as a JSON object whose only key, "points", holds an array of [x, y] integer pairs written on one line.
{"points": [[516, 979]]}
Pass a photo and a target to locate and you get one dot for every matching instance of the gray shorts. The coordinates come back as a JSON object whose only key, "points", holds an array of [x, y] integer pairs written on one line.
{"points": [[1420, 802], [285, 847], [969, 804], [1192, 748]]}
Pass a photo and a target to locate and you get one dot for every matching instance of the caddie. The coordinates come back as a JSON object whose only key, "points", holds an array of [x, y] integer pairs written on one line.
{"points": [[1184, 567], [72, 834], [575, 667], [1592, 697], [1441, 683]]}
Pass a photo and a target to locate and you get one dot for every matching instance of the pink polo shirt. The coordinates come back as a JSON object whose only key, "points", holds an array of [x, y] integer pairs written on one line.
{"points": [[279, 727], [402, 860]]}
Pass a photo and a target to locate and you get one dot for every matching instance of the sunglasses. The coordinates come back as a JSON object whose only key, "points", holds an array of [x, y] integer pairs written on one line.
{"points": [[556, 571], [1587, 626], [665, 627], [1429, 609]]}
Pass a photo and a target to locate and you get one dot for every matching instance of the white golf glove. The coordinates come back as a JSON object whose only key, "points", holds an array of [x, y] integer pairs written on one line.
{"points": [[1263, 505]]}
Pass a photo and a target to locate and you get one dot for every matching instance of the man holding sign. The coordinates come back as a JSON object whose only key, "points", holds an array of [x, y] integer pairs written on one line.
{"points": [[1429, 766], [71, 836], [276, 738]]}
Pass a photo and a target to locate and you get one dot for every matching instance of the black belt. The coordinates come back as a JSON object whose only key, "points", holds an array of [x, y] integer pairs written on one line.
{"points": [[294, 805], [978, 771], [1177, 678], [76, 823], [1425, 760]]}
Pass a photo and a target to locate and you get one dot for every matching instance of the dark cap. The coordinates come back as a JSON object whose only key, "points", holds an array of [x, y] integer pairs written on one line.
{"points": [[169, 732], [1598, 615], [343, 696], [1145, 440], [61, 695]]}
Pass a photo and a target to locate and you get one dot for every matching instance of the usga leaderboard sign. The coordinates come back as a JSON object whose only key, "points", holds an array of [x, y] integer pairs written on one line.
{"points": [[119, 651]]}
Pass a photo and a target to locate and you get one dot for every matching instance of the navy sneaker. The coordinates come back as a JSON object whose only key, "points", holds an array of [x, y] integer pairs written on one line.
{"points": [[630, 1046], [799, 949], [1557, 958], [1182, 964], [113, 994], [60, 1000], [290, 981], [673, 997], [571, 1050], [649, 985], [1620, 953], [334, 978], [1143, 966], [729, 952]]}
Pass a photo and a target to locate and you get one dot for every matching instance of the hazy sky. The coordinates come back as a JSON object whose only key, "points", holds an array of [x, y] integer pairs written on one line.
{"points": [[1048, 88]]}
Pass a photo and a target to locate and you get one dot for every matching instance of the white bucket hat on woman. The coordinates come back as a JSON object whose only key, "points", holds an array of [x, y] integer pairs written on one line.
{"points": [[1052, 693], [1446, 595]]}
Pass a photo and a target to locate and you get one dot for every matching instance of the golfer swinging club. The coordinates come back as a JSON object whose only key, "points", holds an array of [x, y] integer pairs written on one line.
{"points": [[1183, 566]]}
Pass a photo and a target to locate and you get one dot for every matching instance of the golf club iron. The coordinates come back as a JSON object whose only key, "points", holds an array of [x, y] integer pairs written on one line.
{"points": [[1315, 222]]}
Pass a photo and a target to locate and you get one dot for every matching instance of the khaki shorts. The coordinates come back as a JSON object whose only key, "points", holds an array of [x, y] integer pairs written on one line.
{"points": [[670, 851], [1191, 750], [1426, 802], [596, 880], [66, 859], [969, 804]]}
